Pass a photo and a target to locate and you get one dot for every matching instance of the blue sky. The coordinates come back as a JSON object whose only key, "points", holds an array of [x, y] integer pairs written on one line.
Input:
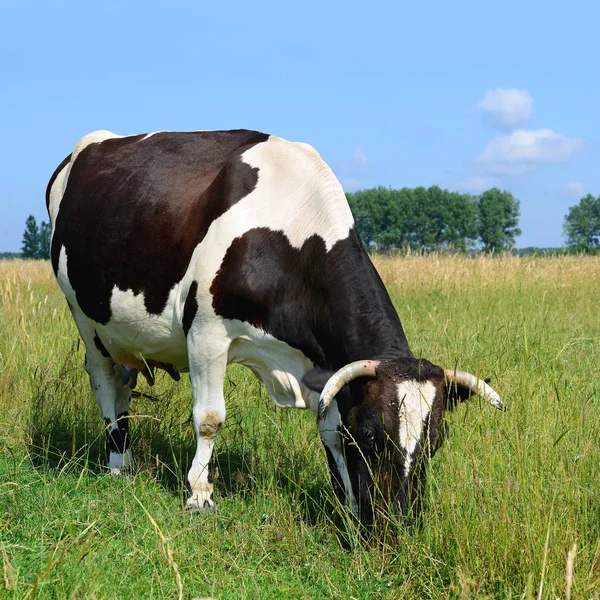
{"points": [[465, 95]]}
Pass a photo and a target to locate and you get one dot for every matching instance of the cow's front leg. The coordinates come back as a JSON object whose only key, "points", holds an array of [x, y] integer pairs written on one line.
{"points": [[207, 375]]}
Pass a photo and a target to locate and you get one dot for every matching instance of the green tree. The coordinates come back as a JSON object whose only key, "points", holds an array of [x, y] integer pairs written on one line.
{"points": [[368, 209], [582, 224], [419, 218], [443, 220], [498, 219], [44, 248], [378, 216], [460, 231], [30, 246]]}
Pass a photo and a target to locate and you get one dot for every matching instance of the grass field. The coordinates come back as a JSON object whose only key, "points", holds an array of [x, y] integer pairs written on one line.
{"points": [[508, 495]]}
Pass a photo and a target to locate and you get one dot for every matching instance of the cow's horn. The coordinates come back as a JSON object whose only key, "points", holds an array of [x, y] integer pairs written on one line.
{"points": [[476, 385], [359, 368]]}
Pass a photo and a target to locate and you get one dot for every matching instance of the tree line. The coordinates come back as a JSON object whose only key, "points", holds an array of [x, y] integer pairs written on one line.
{"points": [[435, 219], [423, 219]]}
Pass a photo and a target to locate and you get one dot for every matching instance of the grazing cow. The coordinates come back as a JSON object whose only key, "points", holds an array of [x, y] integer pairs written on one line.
{"points": [[189, 251]]}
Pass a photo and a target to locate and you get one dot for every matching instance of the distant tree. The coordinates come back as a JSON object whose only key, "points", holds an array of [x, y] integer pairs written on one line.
{"points": [[423, 217], [380, 216], [460, 230], [498, 219], [30, 246], [582, 224], [44, 249], [36, 240], [443, 220], [371, 210]]}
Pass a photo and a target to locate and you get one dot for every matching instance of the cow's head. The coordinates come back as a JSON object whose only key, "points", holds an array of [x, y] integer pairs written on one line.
{"points": [[390, 421]]}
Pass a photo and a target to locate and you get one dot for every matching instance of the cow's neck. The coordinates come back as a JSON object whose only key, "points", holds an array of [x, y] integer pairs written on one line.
{"points": [[340, 311], [361, 322], [329, 303]]}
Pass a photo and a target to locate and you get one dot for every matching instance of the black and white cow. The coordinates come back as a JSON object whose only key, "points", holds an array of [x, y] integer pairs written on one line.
{"points": [[189, 251]]}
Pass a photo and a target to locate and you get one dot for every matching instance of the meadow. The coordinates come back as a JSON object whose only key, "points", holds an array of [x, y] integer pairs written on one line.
{"points": [[509, 495]]}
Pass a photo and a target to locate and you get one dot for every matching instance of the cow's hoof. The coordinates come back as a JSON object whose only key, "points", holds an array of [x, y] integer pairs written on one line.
{"points": [[121, 464], [199, 503]]}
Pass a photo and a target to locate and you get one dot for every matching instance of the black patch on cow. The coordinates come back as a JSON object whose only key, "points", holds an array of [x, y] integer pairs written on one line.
{"points": [[331, 305], [148, 373], [172, 371], [190, 307], [53, 179], [117, 439], [101, 346], [134, 210], [316, 379]]}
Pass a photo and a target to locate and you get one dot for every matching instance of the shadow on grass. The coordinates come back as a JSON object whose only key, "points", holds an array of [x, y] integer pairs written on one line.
{"points": [[60, 432], [66, 433]]}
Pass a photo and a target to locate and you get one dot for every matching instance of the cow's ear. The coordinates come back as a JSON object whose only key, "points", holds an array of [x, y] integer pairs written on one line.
{"points": [[315, 379]]}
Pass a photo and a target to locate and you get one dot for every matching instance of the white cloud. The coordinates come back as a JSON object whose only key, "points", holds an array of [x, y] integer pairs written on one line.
{"points": [[523, 150], [477, 184], [575, 189], [507, 108]]}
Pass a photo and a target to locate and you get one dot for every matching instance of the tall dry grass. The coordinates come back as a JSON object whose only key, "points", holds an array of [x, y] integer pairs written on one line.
{"points": [[485, 272]]}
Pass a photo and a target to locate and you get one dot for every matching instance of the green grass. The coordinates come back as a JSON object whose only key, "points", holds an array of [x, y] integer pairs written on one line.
{"points": [[508, 494]]}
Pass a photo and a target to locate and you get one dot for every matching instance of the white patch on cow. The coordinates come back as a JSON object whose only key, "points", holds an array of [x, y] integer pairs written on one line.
{"points": [[297, 193], [62, 277], [133, 331], [415, 399], [57, 192], [279, 366]]}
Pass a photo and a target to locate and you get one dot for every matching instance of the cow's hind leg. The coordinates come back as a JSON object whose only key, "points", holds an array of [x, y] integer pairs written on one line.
{"points": [[208, 362], [112, 398]]}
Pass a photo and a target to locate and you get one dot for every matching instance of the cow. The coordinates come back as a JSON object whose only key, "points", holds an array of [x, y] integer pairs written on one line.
{"points": [[187, 251]]}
